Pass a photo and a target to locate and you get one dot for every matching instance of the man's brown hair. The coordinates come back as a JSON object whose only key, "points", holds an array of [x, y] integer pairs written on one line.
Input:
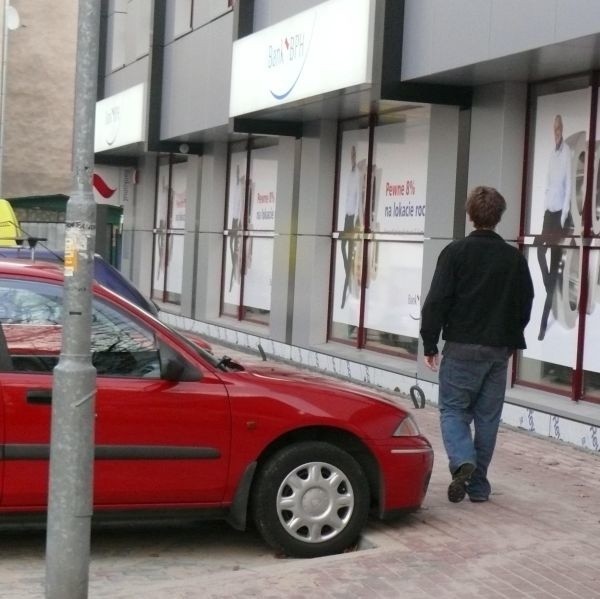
{"points": [[485, 206]]}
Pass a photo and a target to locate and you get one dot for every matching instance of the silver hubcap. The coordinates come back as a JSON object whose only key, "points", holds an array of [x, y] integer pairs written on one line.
{"points": [[315, 502]]}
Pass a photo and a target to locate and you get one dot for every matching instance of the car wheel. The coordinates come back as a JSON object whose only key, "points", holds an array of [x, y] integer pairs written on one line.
{"points": [[311, 499]]}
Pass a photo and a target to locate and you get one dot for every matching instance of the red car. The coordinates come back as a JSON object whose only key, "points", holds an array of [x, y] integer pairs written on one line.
{"points": [[104, 273], [304, 457]]}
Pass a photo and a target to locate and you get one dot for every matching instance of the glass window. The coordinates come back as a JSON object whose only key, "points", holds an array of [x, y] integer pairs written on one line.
{"points": [[380, 220], [31, 320], [169, 230], [249, 230], [560, 225]]}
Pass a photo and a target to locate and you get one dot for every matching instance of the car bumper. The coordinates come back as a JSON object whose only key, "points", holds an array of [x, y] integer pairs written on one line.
{"points": [[406, 469]]}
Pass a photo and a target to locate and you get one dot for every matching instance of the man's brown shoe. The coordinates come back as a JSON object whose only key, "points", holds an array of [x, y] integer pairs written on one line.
{"points": [[458, 487]]}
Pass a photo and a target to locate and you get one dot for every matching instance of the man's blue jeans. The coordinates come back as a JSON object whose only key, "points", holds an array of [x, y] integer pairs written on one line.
{"points": [[471, 392]]}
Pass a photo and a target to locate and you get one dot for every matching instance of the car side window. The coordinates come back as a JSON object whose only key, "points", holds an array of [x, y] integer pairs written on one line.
{"points": [[30, 315], [31, 319], [121, 346]]}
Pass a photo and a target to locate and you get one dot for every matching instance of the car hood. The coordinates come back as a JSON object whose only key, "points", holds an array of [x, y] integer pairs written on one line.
{"points": [[306, 378]]}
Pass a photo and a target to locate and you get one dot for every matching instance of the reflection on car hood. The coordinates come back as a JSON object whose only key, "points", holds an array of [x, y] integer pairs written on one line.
{"points": [[292, 376]]}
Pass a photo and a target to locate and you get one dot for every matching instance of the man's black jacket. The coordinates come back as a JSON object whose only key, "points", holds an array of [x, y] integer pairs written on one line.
{"points": [[481, 293]]}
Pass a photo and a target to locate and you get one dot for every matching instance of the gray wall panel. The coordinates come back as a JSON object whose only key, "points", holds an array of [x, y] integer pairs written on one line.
{"points": [[126, 77], [417, 43], [440, 35], [197, 73], [190, 256], [499, 115], [137, 227], [441, 171], [576, 18], [208, 223], [461, 32], [178, 19], [317, 177], [519, 26]]}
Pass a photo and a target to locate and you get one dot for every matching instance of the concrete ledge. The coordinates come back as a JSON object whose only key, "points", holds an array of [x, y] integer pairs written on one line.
{"points": [[549, 403]]}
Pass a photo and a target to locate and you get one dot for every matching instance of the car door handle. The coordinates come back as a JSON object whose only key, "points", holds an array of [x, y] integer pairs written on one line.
{"points": [[39, 396]]}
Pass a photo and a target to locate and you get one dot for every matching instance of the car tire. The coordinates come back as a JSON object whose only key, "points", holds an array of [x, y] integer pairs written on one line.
{"points": [[310, 499]]}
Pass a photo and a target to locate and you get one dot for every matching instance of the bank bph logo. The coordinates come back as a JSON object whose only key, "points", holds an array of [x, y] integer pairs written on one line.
{"points": [[112, 121], [286, 58]]}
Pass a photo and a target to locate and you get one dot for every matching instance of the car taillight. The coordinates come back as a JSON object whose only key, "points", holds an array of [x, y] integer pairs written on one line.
{"points": [[407, 428]]}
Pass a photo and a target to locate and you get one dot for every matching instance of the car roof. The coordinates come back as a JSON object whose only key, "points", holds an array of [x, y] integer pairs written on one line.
{"points": [[104, 273], [46, 270]]}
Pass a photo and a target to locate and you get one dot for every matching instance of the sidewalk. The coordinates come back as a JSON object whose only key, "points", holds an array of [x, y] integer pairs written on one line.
{"points": [[538, 536]]}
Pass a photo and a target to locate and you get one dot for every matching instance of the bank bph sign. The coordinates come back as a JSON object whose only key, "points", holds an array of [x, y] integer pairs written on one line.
{"points": [[327, 48]]}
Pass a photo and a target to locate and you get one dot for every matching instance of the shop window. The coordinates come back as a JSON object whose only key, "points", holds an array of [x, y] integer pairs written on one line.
{"points": [[169, 230], [560, 230], [378, 231], [248, 235]]}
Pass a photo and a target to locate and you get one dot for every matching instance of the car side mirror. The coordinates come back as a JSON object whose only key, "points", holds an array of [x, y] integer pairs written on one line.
{"points": [[173, 367], [172, 370]]}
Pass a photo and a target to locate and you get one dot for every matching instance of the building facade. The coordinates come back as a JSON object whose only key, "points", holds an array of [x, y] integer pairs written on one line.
{"points": [[294, 168], [37, 97]]}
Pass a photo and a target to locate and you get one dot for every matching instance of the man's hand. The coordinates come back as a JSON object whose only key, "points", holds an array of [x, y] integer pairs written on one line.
{"points": [[432, 362]]}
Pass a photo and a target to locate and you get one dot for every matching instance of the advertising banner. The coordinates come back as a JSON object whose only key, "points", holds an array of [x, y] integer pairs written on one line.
{"points": [[398, 192], [393, 302], [353, 180], [591, 356], [262, 201], [160, 224], [263, 175], [400, 165], [261, 217], [178, 196], [557, 192], [168, 246], [236, 190], [259, 271], [346, 290], [235, 224]]}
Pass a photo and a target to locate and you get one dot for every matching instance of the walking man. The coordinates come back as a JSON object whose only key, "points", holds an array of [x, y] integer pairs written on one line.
{"points": [[480, 300]]}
